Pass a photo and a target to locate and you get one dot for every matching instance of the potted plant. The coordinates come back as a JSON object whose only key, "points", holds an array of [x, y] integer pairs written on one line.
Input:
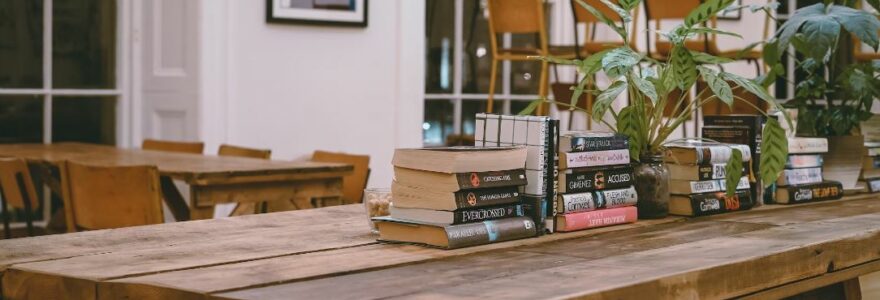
{"points": [[653, 86], [836, 93]]}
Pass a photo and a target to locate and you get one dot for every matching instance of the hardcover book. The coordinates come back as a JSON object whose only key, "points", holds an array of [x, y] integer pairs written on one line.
{"points": [[573, 203], [700, 172], [460, 216], [696, 153], [755, 126], [710, 203], [799, 176], [873, 184], [414, 197], [596, 218], [455, 236], [801, 145], [827, 190], [583, 141], [460, 159], [593, 159], [459, 181], [804, 161], [591, 179], [687, 187]]}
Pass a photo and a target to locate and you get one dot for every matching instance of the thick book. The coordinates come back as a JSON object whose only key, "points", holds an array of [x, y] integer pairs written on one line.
{"points": [[461, 159], [459, 181], [710, 203], [593, 159], [696, 153], [455, 236], [700, 172], [596, 218], [827, 190], [799, 176], [596, 178], [536, 207], [754, 124], [414, 197], [583, 141], [687, 187], [739, 134], [553, 181], [804, 161], [580, 202], [460, 216], [804, 145], [873, 184]]}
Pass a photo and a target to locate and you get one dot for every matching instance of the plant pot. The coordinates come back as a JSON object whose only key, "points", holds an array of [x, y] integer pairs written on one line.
{"points": [[651, 178], [843, 162]]}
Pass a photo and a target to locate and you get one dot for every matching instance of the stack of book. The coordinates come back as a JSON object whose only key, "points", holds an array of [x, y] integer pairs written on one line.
{"points": [[740, 129], [457, 197], [802, 180], [697, 179], [596, 181], [870, 175]]}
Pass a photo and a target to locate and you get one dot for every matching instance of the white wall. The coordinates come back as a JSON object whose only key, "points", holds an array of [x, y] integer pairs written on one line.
{"points": [[297, 88]]}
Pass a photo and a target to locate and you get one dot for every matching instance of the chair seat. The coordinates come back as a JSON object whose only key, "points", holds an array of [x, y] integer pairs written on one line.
{"points": [[566, 52], [665, 47], [867, 56]]}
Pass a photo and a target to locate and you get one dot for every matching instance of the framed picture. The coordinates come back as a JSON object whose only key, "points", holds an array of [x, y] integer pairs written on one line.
{"points": [[735, 14], [318, 12]]}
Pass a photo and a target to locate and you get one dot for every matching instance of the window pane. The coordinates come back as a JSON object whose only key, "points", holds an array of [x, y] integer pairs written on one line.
{"points": [[21, 44], [438, 122], [477, 56], [440, 33], [469, 110], [84, 44], [525, 76], [21, 119], [518, 106], [84, 119]]}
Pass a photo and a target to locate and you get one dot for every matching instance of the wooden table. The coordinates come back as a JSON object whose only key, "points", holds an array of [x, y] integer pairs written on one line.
{"points": [[328, 253], [212, 179]]}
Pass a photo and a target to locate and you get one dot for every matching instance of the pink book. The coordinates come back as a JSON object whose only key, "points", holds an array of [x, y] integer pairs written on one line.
{"points": [[596, 218]]}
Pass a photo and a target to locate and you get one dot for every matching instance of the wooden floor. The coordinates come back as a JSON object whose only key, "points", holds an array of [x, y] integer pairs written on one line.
{"points": [[767, 253]]}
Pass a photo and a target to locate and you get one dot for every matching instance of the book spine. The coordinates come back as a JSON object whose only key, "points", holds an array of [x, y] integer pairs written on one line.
{"points": [[572, 203], [585, 180], [595, 159], [715, 171], [584, 144], [804, 161], [719, 185], [598, 218], [487, 213], [807, 145], [616, 198], [721, 154], [719, 202], [553, 181], [486, 197], [800, 176], [479, 180], [487, 232], [535, 207], [829, 190]]}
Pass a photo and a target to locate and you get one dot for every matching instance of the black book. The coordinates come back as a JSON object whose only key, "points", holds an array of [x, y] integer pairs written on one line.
{"points": [[459, 181], [755, 124], [592, 141], [743, 135], [460, 216], [597, 178], [414, 197], [827, 190], [710, 203]]}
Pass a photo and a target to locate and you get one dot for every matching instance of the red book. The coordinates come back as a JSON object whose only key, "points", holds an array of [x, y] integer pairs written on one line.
{"points": [[596, 218]]}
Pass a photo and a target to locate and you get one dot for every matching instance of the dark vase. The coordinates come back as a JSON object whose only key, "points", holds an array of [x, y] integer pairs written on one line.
{"points": [[652, 186]]}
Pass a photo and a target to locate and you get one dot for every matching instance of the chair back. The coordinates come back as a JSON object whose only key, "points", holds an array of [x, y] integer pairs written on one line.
{"points": [[582, 15], [99, 197], [516, 16], [16, 184], [230, 150], [173, 146], [353, 185], [665, 10]]}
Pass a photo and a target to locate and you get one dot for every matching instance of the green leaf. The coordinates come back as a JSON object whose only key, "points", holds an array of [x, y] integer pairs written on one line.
{"points": [[531, 108], [706, 11], [705, 30], [718, 85], [604, 100], [592, 64], [629, 4], [793, 25], [754, 88], [619, 61], [578, 90], [771, 53], [861, 23], [602, 17], [629, 124], [704, 58], [684, 67], [624, 15], [821, 34], [875, 4], [556, 60], [774, 151], [733, 171], [647, 88]]}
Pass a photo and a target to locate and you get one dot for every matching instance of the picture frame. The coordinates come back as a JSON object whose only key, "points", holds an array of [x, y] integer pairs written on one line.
{"points": [[733, 14], [350, 13]]}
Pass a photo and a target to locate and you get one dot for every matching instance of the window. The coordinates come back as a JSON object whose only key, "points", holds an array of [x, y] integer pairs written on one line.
{"points": [[458, 66]]}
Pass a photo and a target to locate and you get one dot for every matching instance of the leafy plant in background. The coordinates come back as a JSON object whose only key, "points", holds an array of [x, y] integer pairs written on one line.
{"points": [[837, 93], [652, 86]]}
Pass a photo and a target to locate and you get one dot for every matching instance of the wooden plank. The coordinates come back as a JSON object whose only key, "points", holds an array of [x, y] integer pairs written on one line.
{"points": [[301, 267], [809, 284], [267, 191]]}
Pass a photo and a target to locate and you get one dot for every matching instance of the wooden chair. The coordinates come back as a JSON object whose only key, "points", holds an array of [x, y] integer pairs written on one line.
{"points": [[237, 151], [353, 185], [172, 146], [98, 197], [520, 17], [16, 190]]}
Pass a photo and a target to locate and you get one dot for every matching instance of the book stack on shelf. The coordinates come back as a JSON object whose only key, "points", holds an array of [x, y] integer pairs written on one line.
{"points": [[596, 181], [802, 180], [457, 197], [697, 182], [740, 129], [540, 136], [870, 176]]}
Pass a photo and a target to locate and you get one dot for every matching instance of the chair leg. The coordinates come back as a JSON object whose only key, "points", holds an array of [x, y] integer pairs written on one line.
{"points": [[7, 232], [542, 87], [492, 79], [27, 203]]}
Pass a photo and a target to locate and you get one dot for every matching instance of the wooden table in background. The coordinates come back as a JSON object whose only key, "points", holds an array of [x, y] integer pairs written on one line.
{"points": [[212, 179], [328, 253]]}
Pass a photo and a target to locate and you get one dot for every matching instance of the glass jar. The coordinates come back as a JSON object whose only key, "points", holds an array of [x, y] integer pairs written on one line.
{"points": [[652, 185], [377, 203]]}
